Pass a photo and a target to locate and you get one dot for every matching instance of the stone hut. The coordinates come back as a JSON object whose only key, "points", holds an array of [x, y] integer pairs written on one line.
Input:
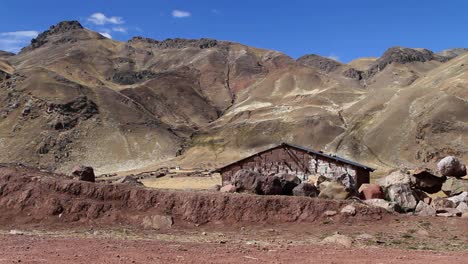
{"points": [[299, 161]]}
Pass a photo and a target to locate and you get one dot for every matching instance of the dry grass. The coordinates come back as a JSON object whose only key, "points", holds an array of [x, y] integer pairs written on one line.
{"points": [[183, 183]]}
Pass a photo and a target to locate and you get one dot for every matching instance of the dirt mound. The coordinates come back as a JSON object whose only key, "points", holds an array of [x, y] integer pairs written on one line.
{"points": [[31, 196]]}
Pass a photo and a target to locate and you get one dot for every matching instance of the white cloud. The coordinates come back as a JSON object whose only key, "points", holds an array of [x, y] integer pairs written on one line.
{"points": [[101, 19], [119, 29], [105, 34], [14, 41], [181, 14], [334, 57]]}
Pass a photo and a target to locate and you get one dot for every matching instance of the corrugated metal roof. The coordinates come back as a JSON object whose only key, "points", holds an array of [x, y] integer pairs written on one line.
{"points": [[318, 153]]}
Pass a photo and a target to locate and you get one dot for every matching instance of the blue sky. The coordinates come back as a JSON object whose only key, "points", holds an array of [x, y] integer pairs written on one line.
{"points": [[342, 29]]}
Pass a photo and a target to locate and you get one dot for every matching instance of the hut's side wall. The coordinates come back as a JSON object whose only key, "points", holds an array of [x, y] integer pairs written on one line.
{"points": [[298, 162]]}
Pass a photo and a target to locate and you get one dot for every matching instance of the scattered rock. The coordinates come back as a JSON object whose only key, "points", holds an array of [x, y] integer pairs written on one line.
{"points": [[158, 222], [451, 166], [333, 190], [338, 239], [84, 173], [389, 206], [424, 180], [365, 237], [453, 186], [349, 210], [462, 207], [440, 203], [423, 209], [370, 191], [403, 196], [449, 212], [228, 189], [457, 199], [305, 189], [330, 213], [16, 232]]}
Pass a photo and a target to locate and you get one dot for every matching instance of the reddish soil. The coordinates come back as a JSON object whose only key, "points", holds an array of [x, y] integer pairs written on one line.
{"points": [[33, 249]]}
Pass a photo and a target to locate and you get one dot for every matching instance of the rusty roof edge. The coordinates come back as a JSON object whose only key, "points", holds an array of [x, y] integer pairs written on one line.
{"points": [[319, 153]]}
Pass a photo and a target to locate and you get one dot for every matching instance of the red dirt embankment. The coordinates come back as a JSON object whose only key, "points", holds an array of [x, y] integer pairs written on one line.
{"points": [[30, 196]]}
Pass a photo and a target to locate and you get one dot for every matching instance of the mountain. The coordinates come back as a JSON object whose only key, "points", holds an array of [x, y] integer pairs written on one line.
{"points": [[73, 96]]}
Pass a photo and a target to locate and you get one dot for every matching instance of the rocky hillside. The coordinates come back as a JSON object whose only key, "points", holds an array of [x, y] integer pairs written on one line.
{"points": [[73, 96]]}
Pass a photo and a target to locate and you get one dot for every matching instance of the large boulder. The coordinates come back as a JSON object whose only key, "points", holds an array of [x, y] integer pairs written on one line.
{"points": [[451, 166], [403, 196], [84, 173], [305, 189], [270, 185], [389, 206], [453, 186], [370, 191], [288, 183], [425, 180], [423, 209], [333, 190], [247, 181], [396, 177]]}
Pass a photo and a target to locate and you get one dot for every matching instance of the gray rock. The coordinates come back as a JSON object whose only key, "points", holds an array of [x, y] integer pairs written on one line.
{"points": [[423, 209], [403, 196], [449, 212], [396, 177], [270, 185], [451, 166], [453, 186], [338, 239], [330, 213], [349, 210], [247, 181], [457, 199], [305, 189], [440, 202], [462, 207], [158, 222], [389, 206]]}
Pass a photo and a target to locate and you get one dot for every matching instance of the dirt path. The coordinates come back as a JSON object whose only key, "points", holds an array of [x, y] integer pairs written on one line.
{"points": [[46, 249]]}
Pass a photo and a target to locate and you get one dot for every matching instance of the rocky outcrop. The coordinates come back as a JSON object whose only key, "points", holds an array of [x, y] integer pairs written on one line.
{"points": [[451, 166], [402, 55], [324, 64], [131, 77], [177, 43], [60, 28]]}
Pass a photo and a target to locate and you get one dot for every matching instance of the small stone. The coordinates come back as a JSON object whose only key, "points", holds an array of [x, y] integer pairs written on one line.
{"points": [[330, 213], [423, 209], [349, 210], [16, 232], [338, 239], [228, 189], [370, 191], [463, 207], [451, 166], [448, 212], [365, 237]]}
